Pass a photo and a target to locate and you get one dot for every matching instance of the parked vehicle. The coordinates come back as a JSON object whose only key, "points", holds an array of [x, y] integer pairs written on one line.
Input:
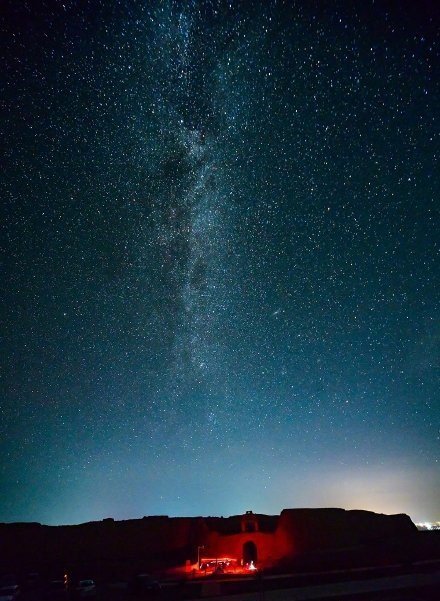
{"points": [[86, 588], [145, 585], [9, 593], [56, 590], [8, 580], [32, 580]]}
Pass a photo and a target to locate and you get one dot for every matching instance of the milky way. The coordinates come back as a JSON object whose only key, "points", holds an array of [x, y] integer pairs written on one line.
{"points": [[221, 242]]}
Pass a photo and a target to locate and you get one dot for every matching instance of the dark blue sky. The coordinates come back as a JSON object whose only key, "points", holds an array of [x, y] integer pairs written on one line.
{"points": [[221, 275]]}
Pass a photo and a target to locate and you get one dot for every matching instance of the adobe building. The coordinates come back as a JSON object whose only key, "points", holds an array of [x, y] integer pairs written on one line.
{"points": [[159, 543], [272, 540]]}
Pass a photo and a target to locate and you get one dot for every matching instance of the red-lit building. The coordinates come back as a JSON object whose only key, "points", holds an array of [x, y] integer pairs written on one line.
{"points": [[270, 540], [158, 543], [249, 539]]}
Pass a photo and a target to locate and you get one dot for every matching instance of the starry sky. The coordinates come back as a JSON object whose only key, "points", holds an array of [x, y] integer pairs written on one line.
{"points": [[220, 273]]}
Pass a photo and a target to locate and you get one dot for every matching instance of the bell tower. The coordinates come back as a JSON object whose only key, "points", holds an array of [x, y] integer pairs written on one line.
{"points": [[249, 522]]}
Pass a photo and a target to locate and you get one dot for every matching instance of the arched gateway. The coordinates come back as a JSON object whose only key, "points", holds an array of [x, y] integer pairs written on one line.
{"points": [[249, 552]]}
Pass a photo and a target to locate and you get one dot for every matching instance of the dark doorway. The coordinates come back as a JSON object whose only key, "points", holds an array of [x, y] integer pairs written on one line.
{"points": [[249, 552]]}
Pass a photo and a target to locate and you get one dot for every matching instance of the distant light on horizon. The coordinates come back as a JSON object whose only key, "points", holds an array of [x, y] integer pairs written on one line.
{"points": [[428, 525]]}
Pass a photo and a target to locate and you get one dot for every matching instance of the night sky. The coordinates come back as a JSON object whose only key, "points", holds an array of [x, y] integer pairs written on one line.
{"points": [[220, 273]]}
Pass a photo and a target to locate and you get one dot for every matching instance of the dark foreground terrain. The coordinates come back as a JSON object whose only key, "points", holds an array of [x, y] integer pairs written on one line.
{"points": [[420, 582]]}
